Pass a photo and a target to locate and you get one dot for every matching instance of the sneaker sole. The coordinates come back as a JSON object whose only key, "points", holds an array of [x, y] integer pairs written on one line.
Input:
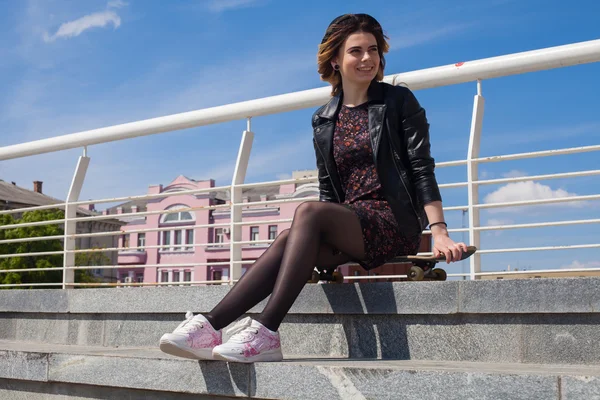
{"points": [[166, 346], [272, 356]]}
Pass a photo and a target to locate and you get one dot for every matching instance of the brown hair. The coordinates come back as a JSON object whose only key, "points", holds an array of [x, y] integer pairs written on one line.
{"points": [[335, 35]]}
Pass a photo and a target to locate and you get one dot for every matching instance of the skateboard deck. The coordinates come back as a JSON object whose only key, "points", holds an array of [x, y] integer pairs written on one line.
{"points": [[423, 268]]}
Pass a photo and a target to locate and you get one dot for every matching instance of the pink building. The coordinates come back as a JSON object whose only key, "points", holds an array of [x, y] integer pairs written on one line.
{"points": [[177, 230]]}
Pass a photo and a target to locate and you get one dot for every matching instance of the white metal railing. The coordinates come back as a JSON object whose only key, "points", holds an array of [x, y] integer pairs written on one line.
{"points": [[473, 71]]}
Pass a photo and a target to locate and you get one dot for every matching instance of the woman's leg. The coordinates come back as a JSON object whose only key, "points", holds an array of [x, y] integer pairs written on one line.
{"points": [[258, 282], [315, 224], [253, 287]]}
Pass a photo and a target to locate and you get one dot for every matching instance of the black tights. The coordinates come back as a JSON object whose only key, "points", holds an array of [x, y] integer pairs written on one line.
{"points": [[284, 268]]}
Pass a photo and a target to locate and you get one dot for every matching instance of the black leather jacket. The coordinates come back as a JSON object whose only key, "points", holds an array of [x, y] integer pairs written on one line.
{"points": [[401, 152]]}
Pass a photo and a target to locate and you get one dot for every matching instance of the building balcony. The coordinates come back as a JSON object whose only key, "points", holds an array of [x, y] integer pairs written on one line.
{"points": [[132, 257]]}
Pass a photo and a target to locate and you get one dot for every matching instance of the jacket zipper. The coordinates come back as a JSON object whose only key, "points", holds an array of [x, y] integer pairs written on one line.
{"points": [[329, 174], [394, 155]]}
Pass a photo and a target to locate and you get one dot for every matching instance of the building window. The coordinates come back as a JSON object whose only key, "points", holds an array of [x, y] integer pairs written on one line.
{"points": [[189, 238], [217, 275], [254, 233], [177, 216], [219, 235], [187, 276], [175, 276], [166, 240], [272, 232], [164, 276], [125, 241], [141, 241], [178, 240]]}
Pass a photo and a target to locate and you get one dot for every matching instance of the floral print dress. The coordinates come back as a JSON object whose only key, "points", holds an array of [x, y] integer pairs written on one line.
{"points": [[353, 156]]}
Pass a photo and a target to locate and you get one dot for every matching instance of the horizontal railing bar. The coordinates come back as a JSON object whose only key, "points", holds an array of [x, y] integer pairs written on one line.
{"points": [[521, 249], [35, 254], [30, 284], [367, 277], [32, 239], [147, 213], [134, 249], [6, 271], [538, 177], [537, 271], [265, 241], [455, 208], [159, 266], [147, 230], [537, 202], [273, 221], [494, 67], [29, 224], [456, 163], [277, 183], [452, 185], [151, 196], [535, 154], [36, 208], [277, 201], [181, 283], [537, 225]]}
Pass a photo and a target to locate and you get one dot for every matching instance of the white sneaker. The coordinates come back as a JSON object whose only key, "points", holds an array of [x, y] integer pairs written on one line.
{"points": [[194, 338], [253, 344]]}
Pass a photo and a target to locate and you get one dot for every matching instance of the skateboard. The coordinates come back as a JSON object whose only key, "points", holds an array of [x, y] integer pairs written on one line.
{"points": [[423, 268]]}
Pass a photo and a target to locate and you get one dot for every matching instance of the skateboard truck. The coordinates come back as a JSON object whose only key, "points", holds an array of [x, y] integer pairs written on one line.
{"points": [[423, 267]]}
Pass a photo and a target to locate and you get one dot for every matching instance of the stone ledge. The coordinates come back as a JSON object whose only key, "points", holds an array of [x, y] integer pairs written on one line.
{"points": [[498, 338], [149, 369], [503, 296]]}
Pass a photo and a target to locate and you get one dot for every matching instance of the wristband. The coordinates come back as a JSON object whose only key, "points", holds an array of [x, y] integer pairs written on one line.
{"points": [[438, 223]]}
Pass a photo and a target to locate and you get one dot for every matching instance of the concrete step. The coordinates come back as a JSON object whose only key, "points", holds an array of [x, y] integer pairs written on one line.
{"points": [[61, 371], [554, 321]]}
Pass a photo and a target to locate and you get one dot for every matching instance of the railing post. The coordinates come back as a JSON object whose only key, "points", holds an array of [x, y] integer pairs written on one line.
{"points": [[473, 175], [239, 176], [70, 223]]}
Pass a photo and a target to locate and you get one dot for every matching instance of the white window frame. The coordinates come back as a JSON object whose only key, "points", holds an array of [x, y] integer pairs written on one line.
{"points": [[252, 239], [179, 221], [141, 241], [219, 236], [276, 231]]}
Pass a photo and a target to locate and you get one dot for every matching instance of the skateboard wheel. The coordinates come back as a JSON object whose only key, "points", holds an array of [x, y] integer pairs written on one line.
{"points": [[337, 277], [440, 274], [415, 274], [315, 277]]}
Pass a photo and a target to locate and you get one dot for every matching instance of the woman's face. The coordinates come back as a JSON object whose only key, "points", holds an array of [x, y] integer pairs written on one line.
{"points": [[358, 59]]}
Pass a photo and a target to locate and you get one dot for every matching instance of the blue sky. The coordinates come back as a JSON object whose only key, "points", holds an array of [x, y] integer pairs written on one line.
{"points": [[68, 66]]}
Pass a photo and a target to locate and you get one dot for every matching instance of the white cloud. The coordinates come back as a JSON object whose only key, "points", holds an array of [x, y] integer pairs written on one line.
{"points": [[526, 191], [224, 5], [78, 26], [117, 4], [283, 176], [515, 173], [497, 222], [577, 264]]}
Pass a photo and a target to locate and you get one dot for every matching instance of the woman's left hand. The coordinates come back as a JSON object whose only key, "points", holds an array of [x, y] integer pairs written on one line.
{"points": [[442, 244]]}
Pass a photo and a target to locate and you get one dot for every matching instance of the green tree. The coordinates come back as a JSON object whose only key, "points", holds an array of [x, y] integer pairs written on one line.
{"points": [[34, 262]]}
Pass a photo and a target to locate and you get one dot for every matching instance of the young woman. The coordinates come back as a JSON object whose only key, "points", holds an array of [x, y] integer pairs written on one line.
{"points": [[377, 189]]}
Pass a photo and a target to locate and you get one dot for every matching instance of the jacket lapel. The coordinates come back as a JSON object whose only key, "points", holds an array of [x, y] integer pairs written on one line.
{"points": [[377, 110]]}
